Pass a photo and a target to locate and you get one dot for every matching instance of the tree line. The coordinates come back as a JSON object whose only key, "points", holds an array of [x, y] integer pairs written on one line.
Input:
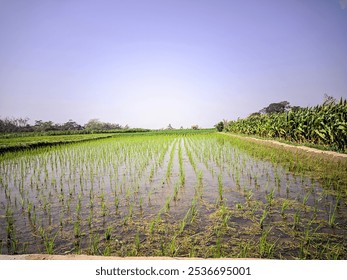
{"points": [[9, 125]]}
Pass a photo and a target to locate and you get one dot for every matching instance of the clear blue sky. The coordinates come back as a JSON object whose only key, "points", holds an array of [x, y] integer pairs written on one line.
{"points": [[148, 63]]}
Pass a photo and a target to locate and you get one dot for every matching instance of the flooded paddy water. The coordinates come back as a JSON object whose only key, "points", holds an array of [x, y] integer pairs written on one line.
{"points": [[167, 195]]}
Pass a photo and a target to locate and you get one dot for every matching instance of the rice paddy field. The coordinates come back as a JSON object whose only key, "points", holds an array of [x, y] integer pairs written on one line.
{"points": [[206, 195], [14, 142]]}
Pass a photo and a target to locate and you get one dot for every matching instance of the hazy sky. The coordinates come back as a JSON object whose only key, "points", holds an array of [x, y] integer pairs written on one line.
{"points": [[148, 63]]}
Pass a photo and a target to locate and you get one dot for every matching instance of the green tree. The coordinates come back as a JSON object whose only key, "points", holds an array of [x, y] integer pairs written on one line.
{"points": [[93, 124], [70, 125], [219, 126], [279, 107]]}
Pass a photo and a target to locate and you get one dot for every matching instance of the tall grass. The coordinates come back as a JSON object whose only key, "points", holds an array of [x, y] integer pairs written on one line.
{"points": [[323, 125]]}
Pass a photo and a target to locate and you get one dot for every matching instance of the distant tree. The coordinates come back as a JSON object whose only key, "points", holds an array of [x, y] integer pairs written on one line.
{"points": [[21, 122], [328, 100], [70, 125], [47, 126], [8, 125], [112, 126], [255, 114], [15, 125], [44, 126], [93, 124], [195, 126], [295, 108], [169, 127], [279, 107], [219, 126]]}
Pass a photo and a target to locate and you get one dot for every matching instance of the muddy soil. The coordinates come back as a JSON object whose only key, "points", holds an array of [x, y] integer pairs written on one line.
{"points": [[77, 257]]}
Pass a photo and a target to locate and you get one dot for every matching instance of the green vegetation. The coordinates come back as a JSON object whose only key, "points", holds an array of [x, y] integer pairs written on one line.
{"points": [[14, 142], [324, 125], [188, 193], [21, 141]]}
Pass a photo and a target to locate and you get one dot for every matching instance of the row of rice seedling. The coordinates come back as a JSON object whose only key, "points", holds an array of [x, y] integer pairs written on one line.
{"points": [[14, 142], [193, 195], [279, 187]]}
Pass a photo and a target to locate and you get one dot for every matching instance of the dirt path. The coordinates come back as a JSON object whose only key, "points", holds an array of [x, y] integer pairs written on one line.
{"points": [[292, 147]]}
